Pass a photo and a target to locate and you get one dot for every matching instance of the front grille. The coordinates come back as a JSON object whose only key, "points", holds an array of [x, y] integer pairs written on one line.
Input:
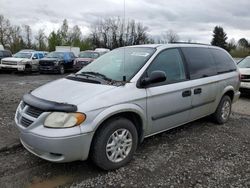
{"points": [[46, 63], [27, 114], [9, 62], [34, 112], [25, 122], [243, 76]]}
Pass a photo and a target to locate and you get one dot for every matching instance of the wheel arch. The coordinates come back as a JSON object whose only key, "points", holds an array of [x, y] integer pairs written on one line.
{"points": [[132, 112]]}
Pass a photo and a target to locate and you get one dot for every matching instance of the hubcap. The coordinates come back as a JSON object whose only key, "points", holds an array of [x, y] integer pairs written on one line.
{"points": [[225, 110], [119, 145]]}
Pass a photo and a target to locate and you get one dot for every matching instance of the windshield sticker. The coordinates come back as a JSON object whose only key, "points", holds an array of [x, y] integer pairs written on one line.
{"points": [[142, 54]]}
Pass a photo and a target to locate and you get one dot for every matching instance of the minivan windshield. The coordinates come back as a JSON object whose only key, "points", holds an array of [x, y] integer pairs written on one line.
{"points": [[23, 55], [120, 63], [55, 55], [245, 63]]}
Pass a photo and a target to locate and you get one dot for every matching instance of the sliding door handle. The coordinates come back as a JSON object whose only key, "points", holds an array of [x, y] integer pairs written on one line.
{"points": [[197, 91], [186, 93]]}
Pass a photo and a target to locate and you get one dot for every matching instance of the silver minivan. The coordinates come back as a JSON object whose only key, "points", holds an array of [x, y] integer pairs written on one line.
{"points": [[107, 108]]}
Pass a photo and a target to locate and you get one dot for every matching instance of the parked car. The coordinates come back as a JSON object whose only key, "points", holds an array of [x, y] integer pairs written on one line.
{"points": [[57, 62], [23, 61], [106, 109], [102, 50], [85, 58], [244, 66], [4, 54]]}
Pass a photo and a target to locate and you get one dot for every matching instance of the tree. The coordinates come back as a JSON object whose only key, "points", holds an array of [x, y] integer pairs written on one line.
{"points": [[17, 42], [231, 45], [54, 40], [28, 36], [170, 37], [64, 32], [75, 36], [219, 37], [5, 31], [113, 32], [243, 43], [41, 40]]}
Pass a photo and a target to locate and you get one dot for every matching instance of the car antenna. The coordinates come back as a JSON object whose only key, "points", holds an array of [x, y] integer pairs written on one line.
{"points": [[124, 22]]}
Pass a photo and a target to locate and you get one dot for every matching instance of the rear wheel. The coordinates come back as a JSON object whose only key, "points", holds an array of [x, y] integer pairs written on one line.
{"points": [[114, 144], [223, 110]]}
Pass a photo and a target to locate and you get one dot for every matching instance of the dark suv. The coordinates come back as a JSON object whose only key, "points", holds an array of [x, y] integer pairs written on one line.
{"points": [[5, 53], [57, 62]]}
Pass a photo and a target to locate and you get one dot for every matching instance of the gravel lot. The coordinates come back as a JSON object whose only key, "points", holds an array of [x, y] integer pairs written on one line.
{"points": [[199, 154]]}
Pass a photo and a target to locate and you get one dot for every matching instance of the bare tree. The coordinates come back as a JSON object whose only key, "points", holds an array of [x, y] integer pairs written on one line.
{"points": [[5, 31], [41, 40], [170, 37], [28, 36]]}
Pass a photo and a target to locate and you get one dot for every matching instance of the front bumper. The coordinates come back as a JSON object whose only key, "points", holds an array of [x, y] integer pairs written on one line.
{"points": [[12, 67], [61, 149], [245, 85]]}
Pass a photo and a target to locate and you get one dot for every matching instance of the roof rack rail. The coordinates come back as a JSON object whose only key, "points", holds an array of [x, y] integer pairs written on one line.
{"points": [[189, 43]]}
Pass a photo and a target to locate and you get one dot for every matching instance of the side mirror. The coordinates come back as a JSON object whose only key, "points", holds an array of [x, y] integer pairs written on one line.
{"points": [[34, 57], [154, 77]]}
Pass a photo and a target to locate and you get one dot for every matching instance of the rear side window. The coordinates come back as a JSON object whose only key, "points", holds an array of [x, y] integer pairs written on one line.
{"points": [[200, 62], [223, 61]]}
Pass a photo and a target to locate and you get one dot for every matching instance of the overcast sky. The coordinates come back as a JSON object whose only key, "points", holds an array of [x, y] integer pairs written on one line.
{"points": [[191, 19]]}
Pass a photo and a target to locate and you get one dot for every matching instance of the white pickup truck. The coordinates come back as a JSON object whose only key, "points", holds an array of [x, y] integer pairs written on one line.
{"points": [[23, 61]]}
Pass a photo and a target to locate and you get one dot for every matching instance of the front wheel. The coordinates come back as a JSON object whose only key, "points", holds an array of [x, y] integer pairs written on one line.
{"points": [[223, 110], [114, 144]]}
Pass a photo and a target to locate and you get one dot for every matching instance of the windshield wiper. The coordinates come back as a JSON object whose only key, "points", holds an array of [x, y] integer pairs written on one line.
{"points": [[96, 74]]}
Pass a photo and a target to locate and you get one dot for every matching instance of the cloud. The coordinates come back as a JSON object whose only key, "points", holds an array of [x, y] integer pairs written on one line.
{"points": [[191, 19]]}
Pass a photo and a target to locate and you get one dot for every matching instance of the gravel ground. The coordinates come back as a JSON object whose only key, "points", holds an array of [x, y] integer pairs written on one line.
{"points": [[199, 154]]}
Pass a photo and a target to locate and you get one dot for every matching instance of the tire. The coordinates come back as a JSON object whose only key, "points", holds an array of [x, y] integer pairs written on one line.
{"points": [[223, 110], [106, 136], [61, 69]]}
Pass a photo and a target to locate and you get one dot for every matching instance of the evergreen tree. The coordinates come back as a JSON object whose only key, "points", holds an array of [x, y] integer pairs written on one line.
{"points": [[54, 40], [219, 37]]}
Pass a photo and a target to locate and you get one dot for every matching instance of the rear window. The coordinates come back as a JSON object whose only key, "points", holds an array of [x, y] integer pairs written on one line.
{"points": [[223, 61], [200, 62]]}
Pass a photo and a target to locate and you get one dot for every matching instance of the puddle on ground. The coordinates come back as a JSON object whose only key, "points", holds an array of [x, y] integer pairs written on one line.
{"points": [[50, 183]]}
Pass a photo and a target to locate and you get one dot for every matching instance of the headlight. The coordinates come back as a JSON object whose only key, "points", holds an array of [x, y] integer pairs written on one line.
{"points": [[64, 120]]}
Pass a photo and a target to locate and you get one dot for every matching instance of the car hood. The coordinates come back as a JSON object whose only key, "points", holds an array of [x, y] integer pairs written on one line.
{"points": [[84, 59], [50, 59], [245, 71], [69, 91], [15, 59]]}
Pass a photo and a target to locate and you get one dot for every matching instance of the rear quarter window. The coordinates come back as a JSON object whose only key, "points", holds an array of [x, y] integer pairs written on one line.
{"points": [[223, 61], [200, 62]]}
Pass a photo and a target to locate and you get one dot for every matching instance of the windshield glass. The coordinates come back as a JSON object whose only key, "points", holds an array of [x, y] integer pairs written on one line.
{"points": [[23, 55], [113, 66], [245, 63], [55, 55], [1, 54], [92, 55]]}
